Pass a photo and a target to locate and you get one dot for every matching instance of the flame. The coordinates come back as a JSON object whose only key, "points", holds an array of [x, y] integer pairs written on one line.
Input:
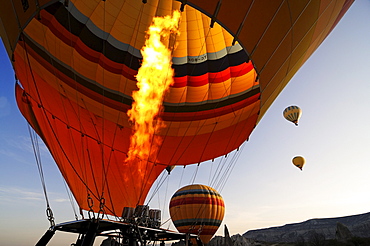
{"points": [[153, 80]]}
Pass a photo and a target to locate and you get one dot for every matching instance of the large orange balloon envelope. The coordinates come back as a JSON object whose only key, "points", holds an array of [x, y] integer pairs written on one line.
{"points": [[78, 71], [197, 209], [76, 63]]}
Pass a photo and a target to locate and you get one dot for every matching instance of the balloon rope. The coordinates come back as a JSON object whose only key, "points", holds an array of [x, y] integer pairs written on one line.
{"points": [[106, 163], [234, 160], [218, 170], [104, 176], [61, 91], [195, 174], [78, 113], [44, 111], [36, 151], [70, 197], [159, 183]]}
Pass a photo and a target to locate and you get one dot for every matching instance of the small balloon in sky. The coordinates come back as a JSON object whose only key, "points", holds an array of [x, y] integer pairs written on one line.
{"points": [[299, 161], [293, 114]]}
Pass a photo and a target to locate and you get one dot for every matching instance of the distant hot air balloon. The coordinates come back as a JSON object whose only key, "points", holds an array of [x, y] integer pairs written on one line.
{"points": [[169, 169], [197, 209], [293, 113], [299, 161]]}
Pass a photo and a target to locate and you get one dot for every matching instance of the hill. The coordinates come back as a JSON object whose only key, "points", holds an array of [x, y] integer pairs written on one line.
{"points": [[358, 225], [347, 230]]}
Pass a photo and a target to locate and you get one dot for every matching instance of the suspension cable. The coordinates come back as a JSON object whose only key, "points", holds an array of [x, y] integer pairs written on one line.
{"points": [[70, 199], [36, 151]]}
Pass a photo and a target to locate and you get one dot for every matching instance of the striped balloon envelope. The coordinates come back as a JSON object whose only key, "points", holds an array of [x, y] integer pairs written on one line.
{"points": [[293, 114], [197, 209]]}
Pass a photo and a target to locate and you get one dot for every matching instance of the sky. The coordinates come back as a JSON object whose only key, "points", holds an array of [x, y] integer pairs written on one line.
{"points": [[264, 189]]}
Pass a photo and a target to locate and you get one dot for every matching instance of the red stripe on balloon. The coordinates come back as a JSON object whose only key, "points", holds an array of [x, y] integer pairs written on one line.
{"points": [[197, 200]]}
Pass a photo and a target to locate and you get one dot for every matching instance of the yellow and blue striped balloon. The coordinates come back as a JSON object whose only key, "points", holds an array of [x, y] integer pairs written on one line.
{"points": [[197, 209], [292, 113]]}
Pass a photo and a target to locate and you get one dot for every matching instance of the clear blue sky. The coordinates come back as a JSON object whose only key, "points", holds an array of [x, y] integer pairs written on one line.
{"points": [[264, 188]]}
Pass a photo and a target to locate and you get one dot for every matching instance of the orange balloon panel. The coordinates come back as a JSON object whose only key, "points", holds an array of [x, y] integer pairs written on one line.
{"points": [[197, 209]]}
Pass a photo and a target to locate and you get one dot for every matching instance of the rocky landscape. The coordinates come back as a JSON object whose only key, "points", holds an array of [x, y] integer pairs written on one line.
{"points": [[339, 231]]}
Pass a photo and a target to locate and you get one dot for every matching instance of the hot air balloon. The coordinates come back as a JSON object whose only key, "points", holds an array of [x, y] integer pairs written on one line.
{"points": [[299, 161], [77, 63], [292, 113], [197, 209]]}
